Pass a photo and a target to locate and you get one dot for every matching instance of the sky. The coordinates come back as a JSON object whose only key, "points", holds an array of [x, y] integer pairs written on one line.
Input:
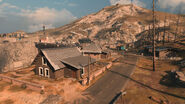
{"points": [[31, 15]]}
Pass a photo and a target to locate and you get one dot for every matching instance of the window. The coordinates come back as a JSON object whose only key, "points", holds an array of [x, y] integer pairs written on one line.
{"points": [[46, 72], [82, 71], [44, 61], [41, 71]]}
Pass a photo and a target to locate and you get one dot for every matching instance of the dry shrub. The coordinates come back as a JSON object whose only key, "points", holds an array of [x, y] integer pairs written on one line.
{"points": [[15, 88], [8, 101]]}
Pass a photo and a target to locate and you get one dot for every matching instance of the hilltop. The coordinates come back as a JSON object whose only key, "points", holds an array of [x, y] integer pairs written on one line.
{"points": [[112, 23]]}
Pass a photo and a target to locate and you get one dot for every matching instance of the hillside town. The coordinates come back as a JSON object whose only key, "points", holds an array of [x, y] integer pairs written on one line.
{"points": [[123, 54]]}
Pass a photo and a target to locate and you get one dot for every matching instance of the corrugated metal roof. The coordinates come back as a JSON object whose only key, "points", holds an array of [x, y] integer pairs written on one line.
{"points": [[55, 55], [92, 48], [78, 62]]}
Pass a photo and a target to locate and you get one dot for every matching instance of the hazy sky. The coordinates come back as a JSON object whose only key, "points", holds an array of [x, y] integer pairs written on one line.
{"points": [[30, 15]]}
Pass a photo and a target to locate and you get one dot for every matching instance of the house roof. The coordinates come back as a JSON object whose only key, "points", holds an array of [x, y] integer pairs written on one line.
{"points": [[158, 48], [92, 48], [79, 61], [55, 55]]}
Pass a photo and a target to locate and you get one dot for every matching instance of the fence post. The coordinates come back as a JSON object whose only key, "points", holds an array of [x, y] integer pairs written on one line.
{"points": [[11, 81]]}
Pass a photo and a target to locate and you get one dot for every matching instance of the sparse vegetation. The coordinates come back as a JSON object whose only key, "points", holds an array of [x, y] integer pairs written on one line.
{"points": [[3, 85], [15, 88], [145, 83], [7, 101]]}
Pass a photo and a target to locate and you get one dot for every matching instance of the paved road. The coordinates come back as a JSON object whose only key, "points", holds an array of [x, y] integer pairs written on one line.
{"points": [[107, 87]]}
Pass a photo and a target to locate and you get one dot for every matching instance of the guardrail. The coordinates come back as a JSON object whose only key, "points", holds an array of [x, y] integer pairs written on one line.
{"points": [[24, 84]]}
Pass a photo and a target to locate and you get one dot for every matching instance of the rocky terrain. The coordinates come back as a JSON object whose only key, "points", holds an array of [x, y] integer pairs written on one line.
{"points": [[117, 22], [128, 23], [16, 55]]}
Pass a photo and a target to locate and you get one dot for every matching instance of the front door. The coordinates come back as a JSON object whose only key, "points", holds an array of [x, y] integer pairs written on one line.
{"points": [[74, 74]]}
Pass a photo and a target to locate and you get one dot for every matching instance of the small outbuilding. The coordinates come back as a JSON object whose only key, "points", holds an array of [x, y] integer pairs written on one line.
{"points": [[78, 67], [161, 52], [94, 51]]}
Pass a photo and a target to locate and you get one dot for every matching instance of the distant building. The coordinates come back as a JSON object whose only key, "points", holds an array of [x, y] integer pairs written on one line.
{"points": [[18, 34], [94, 51], [161, 52]]}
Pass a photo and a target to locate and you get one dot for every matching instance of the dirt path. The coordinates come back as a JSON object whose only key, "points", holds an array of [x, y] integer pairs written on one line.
{"points": [[107, 87]]}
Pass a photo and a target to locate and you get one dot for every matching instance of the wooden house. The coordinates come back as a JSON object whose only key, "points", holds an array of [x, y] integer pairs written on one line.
{"points": [[48, 61], [57, 63]]}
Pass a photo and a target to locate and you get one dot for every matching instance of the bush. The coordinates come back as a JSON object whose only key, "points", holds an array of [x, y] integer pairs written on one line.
{"points": [[23, 86]]}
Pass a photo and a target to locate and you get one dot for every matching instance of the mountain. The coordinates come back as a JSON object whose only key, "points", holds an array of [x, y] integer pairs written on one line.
{"points": [[112, 23]]}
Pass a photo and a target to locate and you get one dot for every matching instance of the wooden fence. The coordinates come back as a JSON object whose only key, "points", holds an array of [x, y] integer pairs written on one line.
{"points": [[97, 73], [24, 84]]}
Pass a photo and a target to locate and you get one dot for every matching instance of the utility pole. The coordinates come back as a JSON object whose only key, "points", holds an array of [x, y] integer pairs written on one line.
{"points": [[44, 28], [164, 31], [177, 27], [88, 78], [154, 35], [149, 36]]}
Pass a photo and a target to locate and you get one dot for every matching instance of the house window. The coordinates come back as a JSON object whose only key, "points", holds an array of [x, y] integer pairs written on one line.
{"points": [[46, 72], [44, 61], [82, 72], [41, 71]]}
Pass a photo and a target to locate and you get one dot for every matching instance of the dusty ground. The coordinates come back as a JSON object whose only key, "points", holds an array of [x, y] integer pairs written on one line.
{"points": [[145, 83], [69, 89]]}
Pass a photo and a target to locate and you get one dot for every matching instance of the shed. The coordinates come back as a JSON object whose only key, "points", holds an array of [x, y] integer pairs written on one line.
{"points": [[77, 67]]}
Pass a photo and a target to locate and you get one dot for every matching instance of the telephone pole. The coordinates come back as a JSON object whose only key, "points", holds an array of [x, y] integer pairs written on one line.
{"points": [[44, 28], [164, 34], [177, 28], [88, 78], [154, 35]]}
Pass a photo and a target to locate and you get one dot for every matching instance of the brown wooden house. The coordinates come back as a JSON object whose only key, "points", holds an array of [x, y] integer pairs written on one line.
{"points": [[57, 63], [48, 61]]}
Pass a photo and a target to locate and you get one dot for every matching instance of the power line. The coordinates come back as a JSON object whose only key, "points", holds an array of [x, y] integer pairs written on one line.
{"points": [[153, 35]]}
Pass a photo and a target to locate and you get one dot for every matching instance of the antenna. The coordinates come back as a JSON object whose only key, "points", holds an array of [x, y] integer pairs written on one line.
{"points": [[153, 35]]}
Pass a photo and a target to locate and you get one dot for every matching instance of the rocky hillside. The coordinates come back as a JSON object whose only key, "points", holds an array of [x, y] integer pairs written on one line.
{"points": [[117, 22], [16, 55]]}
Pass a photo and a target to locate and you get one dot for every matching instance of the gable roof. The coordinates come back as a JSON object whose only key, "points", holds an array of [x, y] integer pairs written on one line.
{"points": [[55, 55], [78, 62], [92, 48]]}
